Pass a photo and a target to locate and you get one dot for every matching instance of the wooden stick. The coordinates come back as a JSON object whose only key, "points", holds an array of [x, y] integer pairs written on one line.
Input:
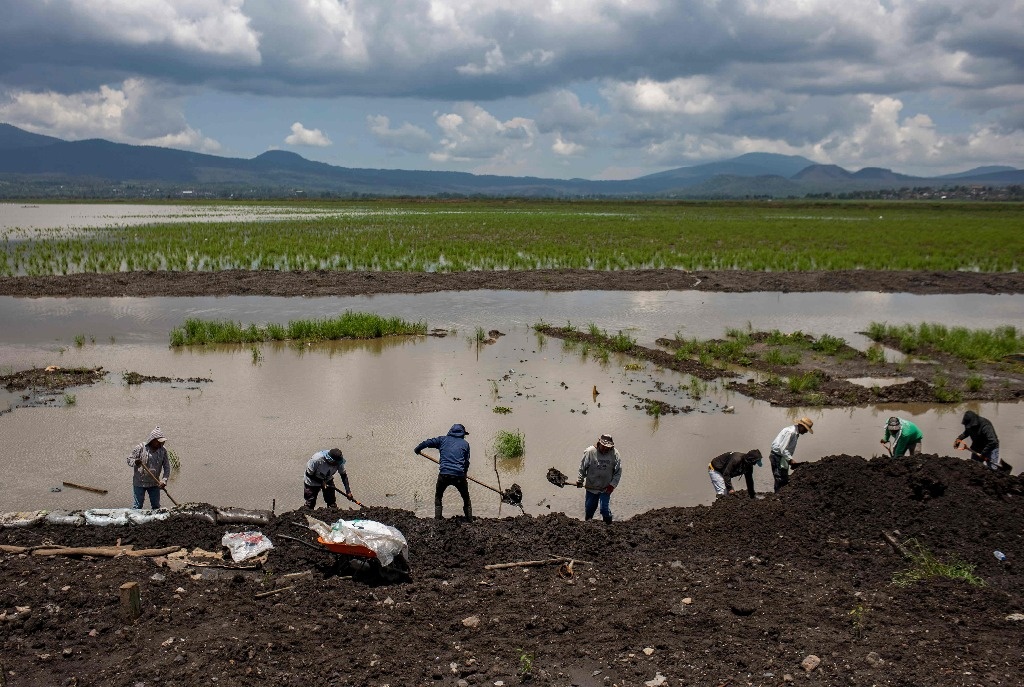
{"points": [[8, 548], [82, 486], [262, 595], [900, 549], [525, 564], [104, 551]]}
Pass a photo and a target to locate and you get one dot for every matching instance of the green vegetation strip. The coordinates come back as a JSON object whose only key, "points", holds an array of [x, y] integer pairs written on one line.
{"points": [[963, 343], [350, 325], [523, 235], [927, 567]]}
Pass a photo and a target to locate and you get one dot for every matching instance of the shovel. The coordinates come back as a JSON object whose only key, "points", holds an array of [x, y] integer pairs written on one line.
{"points": [[156, 479], [512, 496], [345, 495], [559, 479], [1003, 465]]}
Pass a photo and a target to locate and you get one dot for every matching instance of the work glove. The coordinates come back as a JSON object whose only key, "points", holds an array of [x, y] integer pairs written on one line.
{"points": [[349, 496], [138, 462], [956, 443], [609, 489]]}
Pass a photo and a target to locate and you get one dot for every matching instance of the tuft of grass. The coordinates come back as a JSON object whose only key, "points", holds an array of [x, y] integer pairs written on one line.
{"points": [[926, 567], [828, 344], [174, 459], [257, 355], [809, 381], [942, 391], [595, 331], [975, 382], [349, 325], [775, 356], [875, 355], [960, 342], [621, 342], [79, 340], [70, 399], [509, 444], [501, 410]]}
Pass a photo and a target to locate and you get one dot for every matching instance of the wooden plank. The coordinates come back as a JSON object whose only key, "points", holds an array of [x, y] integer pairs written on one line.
{"points": [[95, 490]]}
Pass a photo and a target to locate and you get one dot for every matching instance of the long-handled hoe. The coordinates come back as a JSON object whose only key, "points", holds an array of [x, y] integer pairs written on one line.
{"points": [[512, 496]]}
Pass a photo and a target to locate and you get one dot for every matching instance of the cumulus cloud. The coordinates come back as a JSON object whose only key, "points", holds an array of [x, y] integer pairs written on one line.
{"points": [[473, 133], [135, 112], [301, 136], [407, 137]]}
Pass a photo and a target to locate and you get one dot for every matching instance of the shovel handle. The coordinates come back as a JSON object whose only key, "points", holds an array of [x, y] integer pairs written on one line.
{"points": [[163, 487], [472, 479]]}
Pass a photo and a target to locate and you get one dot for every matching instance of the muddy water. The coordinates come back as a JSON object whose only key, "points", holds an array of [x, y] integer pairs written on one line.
{"points": [[243, 439]]}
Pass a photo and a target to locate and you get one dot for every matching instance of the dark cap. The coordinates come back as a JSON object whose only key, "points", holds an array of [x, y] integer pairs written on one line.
{"points": [[335, 455]]}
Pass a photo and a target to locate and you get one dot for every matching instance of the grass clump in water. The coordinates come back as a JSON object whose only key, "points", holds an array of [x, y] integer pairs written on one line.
{"points": [[509, 444], [349, 325]]}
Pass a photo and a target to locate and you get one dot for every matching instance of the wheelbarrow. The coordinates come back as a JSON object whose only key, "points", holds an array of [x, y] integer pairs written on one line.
{"points": [[358, 559]]}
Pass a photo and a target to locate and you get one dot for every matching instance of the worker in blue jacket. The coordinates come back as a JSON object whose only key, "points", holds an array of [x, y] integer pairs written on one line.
{"points": [[454, 462]]}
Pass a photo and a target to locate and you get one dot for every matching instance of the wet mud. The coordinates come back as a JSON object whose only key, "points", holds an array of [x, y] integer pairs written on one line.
{"points": [[355, 283], [741, 592]]}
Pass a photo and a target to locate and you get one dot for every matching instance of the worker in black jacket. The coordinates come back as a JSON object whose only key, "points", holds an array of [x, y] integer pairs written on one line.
{"points": [[723, 468], [984, 442]]}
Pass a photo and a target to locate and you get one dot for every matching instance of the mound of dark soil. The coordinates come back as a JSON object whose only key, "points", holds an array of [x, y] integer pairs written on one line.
{"points": [[737, 593]]}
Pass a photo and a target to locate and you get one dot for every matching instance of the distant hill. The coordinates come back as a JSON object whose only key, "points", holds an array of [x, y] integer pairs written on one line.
{"points": [[33, 164]]}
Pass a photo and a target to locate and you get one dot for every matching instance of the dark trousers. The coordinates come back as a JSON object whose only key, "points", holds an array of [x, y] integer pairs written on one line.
{"points": [[592, 501], [460, 483], [780, 474], [309, 494]]}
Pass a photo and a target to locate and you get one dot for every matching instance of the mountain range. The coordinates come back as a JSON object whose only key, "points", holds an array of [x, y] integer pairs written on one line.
{"points": [[31, 163]]}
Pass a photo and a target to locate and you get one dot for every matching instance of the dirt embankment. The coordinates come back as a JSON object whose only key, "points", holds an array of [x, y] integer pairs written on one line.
{"points": [[739, 593], [329, 283]]}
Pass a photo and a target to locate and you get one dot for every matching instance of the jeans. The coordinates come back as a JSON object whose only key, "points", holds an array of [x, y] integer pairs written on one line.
{"points": [[140, 496], [590, 505], [992, 459], [460, 483], [718, 482], [780, 474]]}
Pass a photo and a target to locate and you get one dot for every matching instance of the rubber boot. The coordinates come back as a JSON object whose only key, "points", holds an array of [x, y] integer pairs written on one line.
{"points": [[607, 519]]}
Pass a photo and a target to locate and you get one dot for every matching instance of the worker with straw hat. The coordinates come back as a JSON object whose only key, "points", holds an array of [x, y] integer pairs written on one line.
{"points": [[783, 448]]}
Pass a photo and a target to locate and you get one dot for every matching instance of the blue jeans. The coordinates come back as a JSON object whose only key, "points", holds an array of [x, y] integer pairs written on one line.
{"points": [[140, 496], [590, 505]]}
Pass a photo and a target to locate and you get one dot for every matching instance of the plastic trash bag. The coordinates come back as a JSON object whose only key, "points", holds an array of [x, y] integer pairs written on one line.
{"points": [[197, 512], [245, 545], [385, 541]]}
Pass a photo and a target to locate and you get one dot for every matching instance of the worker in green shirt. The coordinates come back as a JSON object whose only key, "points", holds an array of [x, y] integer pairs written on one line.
{"points": [[906, 435]]}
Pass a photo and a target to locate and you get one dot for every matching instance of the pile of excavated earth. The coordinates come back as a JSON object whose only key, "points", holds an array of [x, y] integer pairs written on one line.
{"points": [[860, 572]]}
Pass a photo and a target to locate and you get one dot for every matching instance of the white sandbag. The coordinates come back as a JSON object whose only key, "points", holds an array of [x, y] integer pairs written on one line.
{"points": [[242, 516], [73, 518], [207, 515], [140, 517], [384, 540], [107, 516], [244, 545], [22, 518]]}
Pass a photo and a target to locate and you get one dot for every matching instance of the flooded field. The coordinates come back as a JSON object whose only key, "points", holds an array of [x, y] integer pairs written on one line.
{"points": [[243, 438]]}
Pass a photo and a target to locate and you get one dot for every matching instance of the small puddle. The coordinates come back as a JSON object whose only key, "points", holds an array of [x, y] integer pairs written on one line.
{"points": [[870, 382]]}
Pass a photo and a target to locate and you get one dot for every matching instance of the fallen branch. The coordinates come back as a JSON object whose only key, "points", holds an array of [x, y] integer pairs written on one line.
{"points": [[9, 549], [263, 595], [900, 549], [82, 486], [104, 551], [527, 564]]}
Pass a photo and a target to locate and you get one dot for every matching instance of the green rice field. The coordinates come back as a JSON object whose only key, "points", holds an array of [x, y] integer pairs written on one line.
{"points": [[523, 235]]}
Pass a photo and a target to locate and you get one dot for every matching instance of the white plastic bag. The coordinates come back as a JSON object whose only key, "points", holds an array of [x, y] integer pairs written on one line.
{"points": [[65, 517], [385, 541], [139, 517], [244, 545]]}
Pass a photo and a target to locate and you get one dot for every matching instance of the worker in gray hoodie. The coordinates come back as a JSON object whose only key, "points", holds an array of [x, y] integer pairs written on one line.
{"points": [[148, 460]]}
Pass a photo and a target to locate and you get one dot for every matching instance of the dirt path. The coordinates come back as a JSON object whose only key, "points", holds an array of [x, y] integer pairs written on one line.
{"points": [[739, 593], [270, 283]]}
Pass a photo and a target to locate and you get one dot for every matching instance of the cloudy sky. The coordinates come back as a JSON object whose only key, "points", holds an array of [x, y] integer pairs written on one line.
{"points": [[599, 89]]}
